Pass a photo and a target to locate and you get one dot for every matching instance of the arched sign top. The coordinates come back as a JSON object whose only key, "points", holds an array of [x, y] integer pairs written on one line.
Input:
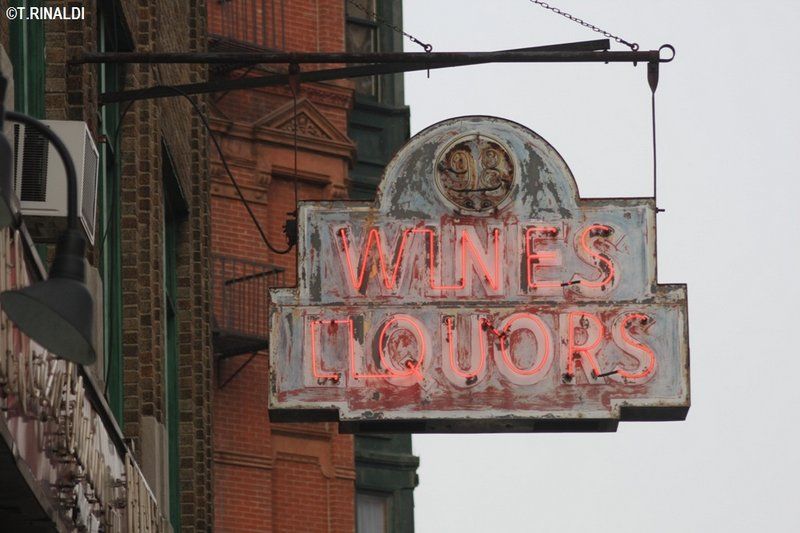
{"points": [[477, 166]]}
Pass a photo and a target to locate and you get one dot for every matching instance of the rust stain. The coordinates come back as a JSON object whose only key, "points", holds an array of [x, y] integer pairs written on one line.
{"points": [[497, 330]]}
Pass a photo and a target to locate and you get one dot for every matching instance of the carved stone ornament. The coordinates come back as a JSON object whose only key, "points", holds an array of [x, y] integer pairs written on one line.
{"points": [[305, 126]]}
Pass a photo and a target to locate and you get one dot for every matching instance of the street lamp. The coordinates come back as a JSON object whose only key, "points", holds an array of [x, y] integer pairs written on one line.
{"points": [[56, 313]]}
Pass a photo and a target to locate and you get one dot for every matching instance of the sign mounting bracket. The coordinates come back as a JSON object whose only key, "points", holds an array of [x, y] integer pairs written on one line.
{"points": [[595, 51]]}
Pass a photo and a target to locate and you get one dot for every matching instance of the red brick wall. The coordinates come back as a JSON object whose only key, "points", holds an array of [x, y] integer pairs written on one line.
{"points": [[297, 25], [289, 478], [278, 477]]}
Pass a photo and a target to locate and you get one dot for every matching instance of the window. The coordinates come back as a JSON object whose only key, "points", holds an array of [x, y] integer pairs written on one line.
{"points": [[372, 513], [108, 236], [362, 38], [175, 210], [171, 365], [27, 56]]}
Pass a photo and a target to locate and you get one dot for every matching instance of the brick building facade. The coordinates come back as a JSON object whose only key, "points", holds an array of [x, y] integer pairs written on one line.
{"points": [[167, 356], [318, 141], [272, 477], [150, 262]]}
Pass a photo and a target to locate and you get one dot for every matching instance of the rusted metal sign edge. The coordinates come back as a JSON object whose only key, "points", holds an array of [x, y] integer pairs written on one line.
{"points": [[609, 300]]}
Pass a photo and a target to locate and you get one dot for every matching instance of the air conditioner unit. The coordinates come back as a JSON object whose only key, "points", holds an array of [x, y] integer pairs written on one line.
{"points": [[40, 179]]}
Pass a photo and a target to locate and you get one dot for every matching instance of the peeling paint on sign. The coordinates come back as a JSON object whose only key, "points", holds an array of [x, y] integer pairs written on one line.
{"points": [[478, 293]]}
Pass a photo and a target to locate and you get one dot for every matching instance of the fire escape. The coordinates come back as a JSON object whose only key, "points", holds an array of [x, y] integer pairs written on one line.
{"points": [[240, 321], [241, 304]]}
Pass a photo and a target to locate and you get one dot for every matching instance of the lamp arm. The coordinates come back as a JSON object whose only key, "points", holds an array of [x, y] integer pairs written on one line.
{"points": [[69, 165]]}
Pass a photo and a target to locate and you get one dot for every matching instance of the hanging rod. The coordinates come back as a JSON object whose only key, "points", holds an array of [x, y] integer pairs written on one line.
{"points": [[583, 51], [432, 58]]}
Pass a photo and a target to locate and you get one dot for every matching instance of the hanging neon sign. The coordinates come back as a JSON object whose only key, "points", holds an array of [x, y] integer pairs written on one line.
{"points": [[479, 293]]}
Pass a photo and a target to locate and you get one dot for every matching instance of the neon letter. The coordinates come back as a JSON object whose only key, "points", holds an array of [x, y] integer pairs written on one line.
{"points": [[506, 365], [603, 262], [412, 366], [452, 342], [413, 369], [432, 263], [316, 370], [466, 242], [374, 236], [588, 348], [643, 353], [535, 259]]}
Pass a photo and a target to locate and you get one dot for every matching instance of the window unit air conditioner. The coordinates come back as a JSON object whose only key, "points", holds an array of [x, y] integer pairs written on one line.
{"points": [[40, 179]]}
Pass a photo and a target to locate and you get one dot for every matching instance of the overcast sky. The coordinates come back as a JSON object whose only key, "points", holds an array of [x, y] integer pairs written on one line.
{"points": [[729, 153]]}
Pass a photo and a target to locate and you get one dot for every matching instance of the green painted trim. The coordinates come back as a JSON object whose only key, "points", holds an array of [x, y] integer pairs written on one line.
{"points": [[109, 224], [174, 211], [391, 85], [173, 192], [385, 464], [173, 411], [378, 131], [27, 56], [400, 460]]}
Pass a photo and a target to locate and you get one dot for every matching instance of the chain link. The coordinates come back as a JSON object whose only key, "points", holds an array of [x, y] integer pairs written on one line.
{"points": [[632, 46], [427, 47]]}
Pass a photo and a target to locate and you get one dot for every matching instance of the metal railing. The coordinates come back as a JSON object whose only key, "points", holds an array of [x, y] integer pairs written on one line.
{"points": [[241, 296], [258, 23]]}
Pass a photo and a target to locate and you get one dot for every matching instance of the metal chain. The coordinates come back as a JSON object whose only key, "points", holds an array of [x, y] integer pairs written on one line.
{"points": [[372, 14], [632, 46]]}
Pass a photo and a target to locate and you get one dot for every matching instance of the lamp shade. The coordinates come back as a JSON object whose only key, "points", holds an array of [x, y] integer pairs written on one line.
{"points": [[56, 314]]}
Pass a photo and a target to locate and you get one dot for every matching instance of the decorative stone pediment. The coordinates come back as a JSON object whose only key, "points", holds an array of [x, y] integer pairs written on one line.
{"points": [[311, 123]]}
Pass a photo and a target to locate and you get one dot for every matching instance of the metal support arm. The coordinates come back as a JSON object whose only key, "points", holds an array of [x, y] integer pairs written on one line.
{"points": [[432, 58], [387, 63]]}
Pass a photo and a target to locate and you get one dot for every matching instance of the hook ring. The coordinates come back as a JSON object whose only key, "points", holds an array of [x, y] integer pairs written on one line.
{"points": [[667, 47]]}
